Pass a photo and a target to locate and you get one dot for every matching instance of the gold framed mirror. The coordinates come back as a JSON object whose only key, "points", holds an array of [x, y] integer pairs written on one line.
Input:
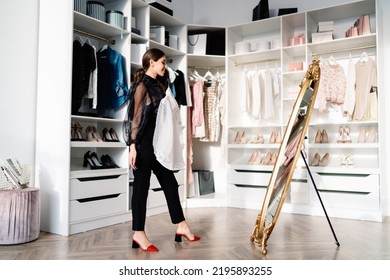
{"points": [[288, 155]]}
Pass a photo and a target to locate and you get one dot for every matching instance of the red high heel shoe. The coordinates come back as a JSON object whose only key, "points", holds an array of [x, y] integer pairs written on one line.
{"points": [[178, 237], [151, 248]]}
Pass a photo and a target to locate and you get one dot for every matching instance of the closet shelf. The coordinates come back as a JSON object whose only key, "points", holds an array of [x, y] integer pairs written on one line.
{"points": [[76, 173], [97, 27], [254, 146], [343, 45], [167, 50], [345, 146], [206, 61], [88, 144], [256, 57], [95, 119]]}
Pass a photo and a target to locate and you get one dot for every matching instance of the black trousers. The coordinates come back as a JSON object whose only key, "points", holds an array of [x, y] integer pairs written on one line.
{"points": [[146, 162]]}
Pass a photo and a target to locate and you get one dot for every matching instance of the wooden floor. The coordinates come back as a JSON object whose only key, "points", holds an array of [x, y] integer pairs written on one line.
{"points": [[224, 235]]}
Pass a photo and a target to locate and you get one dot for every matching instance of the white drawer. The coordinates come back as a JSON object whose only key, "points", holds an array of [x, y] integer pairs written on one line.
{"points": [[299, 192], [247, 193], [89, 208], [347, 200], [179, 175], [97, 186], [346, 182], [249, 177], [156, 197]]}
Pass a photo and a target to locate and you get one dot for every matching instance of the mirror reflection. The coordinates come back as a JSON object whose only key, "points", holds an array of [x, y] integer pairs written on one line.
{"points": [[288, 154]]}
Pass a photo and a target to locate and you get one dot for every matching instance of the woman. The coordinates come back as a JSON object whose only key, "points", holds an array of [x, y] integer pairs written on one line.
{"points": [[142, 159]]}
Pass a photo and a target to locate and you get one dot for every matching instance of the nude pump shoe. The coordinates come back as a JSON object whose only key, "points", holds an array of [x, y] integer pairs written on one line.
{"points": [[371, 136]]}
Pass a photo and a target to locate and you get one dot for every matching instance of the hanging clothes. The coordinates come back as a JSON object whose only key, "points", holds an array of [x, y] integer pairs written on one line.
{"points": [[84, 63], [332, 87], [167, 134], [349, 101], [211, 111], [268, 104], [366, 83], [112, 79], [198, 128]]}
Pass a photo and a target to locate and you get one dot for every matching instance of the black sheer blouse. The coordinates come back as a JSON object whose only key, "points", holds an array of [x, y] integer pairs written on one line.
{"points": [[147, 98]]}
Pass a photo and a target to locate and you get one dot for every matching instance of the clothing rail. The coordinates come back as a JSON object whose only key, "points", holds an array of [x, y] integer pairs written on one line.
{"points": [[344, 50], [276, 61], [207, 68], [95, 36]]}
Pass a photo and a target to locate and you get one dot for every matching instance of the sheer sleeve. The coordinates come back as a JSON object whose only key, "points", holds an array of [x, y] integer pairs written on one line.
{"points": [[141, 100]]}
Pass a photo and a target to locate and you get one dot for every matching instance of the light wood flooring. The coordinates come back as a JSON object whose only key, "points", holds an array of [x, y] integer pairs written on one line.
{"points": [[224, 235]]}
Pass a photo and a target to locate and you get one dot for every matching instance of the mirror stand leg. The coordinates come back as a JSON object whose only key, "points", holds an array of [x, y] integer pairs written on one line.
{"points": [[319, 197]]}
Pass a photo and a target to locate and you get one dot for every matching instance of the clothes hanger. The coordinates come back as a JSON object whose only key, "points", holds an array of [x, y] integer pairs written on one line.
{"points": [[363, 57], [208, 75], [78, 38], [332, 60]]}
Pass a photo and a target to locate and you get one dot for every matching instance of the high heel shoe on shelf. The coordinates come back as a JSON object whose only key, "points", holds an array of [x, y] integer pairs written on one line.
{"points": [[347, 136], [109, 135], [108, 162], [344, 135], [178, 237], [150, 248], [240, 138], [318, 161], [76, 132], [93, 134], [91, 160], [258, 139], [367, 137], [255, 158], [347, 160], [321, 137]]}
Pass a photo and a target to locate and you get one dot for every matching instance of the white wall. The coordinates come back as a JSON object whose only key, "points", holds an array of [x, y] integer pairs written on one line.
{"points": [[18, 79]]}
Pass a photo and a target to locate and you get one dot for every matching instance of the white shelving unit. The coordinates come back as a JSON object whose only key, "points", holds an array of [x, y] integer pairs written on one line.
{"points": [[247, 183]]}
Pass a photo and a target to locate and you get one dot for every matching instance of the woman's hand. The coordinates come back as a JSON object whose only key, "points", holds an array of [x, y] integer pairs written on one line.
{"points": [[132, 156]]}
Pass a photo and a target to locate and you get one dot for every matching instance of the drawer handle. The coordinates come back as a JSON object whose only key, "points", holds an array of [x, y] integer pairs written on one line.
{"points": [[252, 171], [344, 192], [342, 174], [89, 199], [98, 178], [157, 190], [250, 186]]}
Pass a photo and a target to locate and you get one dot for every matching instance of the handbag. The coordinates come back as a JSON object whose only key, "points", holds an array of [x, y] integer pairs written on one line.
{"points": [[206, 182]]}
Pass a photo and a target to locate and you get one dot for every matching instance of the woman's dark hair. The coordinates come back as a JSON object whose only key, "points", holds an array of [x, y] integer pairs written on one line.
{"points": [[154, 54]]}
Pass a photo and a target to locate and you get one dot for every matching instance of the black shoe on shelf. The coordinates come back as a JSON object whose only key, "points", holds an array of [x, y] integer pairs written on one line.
{"points": [[108, 162], [91, 160]]}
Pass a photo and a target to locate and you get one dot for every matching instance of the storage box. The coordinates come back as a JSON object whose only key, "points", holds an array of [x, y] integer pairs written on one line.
{"points": [[242, 47], [321, 37], [295, 66], [137, 51], [163, 5], [157, 34], [173, 42], [197, 44]]}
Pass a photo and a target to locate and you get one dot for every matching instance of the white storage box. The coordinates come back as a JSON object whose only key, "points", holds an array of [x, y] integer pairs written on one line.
{"points": [[321, 37], [197, 44], [242, 47], [174, 42], [115, 18], [157, 34], [137, 51]]}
